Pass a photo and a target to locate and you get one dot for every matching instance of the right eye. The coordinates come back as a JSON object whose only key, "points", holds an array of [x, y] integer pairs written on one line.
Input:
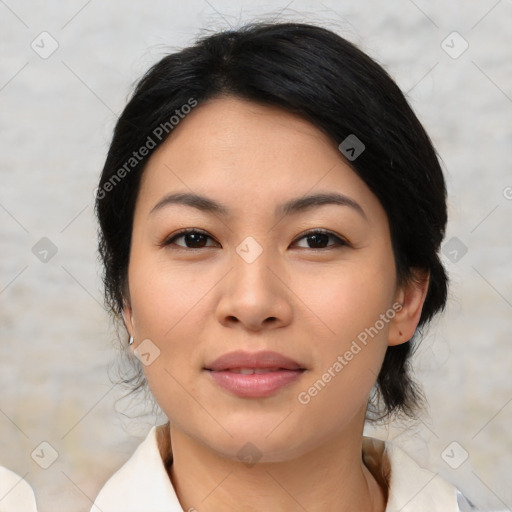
{"points": [[191, 239]]}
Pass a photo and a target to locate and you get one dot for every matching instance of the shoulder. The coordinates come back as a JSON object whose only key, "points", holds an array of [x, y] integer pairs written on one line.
{"points": [[15, 493], [411, 488], [141, 484]]}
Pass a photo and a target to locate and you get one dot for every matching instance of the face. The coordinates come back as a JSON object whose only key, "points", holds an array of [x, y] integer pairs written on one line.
{"points": [[296, 295]]}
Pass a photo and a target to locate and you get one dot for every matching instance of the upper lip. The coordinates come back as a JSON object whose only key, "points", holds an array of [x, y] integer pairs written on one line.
{"points": [[263, 359]]}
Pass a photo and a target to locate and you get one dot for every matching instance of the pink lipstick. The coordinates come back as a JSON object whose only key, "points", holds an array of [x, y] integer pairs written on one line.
{"points": [[254, 375]]}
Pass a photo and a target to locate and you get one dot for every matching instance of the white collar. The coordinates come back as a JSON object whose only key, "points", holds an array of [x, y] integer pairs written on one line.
{"points": [[411, 488], [15, 493], [143, 484]]}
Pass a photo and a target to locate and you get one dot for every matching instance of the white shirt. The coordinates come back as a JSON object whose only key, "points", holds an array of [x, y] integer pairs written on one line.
{"points": [[143, 485], [15, 493]]}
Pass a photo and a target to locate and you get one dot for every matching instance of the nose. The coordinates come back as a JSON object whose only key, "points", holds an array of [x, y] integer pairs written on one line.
{"points": [[254, 295]]}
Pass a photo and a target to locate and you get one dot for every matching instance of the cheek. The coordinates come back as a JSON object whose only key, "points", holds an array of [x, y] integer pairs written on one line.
{"points": [[348, 361], [352, 309], [169, 308], [171, 304], [165, 297], [348, 299]]}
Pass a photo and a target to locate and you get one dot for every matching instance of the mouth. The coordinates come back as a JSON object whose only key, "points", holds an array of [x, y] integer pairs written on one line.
{"points": [[263, 360], [251, 371], [256, 375]]}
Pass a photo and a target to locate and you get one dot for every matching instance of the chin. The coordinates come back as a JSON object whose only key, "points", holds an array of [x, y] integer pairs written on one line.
{"points": [[265, 439]]}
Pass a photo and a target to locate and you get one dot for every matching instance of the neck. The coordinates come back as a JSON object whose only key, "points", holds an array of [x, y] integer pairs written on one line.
{"points": [[329, 478]]}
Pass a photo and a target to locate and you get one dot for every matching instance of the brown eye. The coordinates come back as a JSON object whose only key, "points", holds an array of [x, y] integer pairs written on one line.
{"points": [[319, 239], [190, 239]]}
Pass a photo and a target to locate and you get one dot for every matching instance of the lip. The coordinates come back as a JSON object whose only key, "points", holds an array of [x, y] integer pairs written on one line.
{"points": [[274, 371], [256, 360]]}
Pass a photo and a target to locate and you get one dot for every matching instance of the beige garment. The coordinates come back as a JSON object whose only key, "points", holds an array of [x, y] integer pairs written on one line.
{"points": [[15, 493], [143, 484]]}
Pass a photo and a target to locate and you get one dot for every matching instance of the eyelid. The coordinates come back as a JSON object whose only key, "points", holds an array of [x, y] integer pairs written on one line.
{"points": [[169, 239], [340, 241]]}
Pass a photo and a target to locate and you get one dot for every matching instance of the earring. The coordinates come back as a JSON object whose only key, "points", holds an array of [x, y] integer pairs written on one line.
{"points": [[130, 342]]}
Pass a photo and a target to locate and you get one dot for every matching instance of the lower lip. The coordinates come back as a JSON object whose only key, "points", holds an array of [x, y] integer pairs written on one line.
{"points": [[255, 385]]}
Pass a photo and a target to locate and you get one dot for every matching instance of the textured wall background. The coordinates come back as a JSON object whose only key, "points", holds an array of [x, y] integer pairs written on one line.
{"points": [[454, 60]]}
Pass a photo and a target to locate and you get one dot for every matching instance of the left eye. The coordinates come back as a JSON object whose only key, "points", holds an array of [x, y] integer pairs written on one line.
{"points": [[320, 240]]}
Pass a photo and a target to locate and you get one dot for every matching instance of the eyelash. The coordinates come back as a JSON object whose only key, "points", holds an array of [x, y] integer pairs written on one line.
{"points": [[340, 242]]}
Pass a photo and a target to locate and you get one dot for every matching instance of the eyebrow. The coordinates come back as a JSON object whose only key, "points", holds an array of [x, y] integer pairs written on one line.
{"points": [[290, 207]]}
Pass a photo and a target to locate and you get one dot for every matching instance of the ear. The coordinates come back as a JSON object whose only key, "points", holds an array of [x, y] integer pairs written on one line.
{"points": [[411, 296]]}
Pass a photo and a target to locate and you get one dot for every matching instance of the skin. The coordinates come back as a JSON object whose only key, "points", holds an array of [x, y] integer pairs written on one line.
{"points": [[309, 304]]}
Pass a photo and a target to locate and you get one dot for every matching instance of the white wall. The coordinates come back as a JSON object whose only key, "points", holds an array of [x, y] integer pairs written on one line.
{"points": [[57, 114]]}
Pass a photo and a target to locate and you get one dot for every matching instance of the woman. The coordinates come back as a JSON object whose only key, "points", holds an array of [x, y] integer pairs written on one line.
{"points": [[15, 493], [270, 214]]}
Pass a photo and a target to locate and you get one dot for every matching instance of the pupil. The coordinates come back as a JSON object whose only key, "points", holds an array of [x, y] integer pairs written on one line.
{"points": [[194, 240], [318, 241]]}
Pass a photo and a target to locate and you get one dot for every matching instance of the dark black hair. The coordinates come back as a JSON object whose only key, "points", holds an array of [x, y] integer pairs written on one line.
{"points": [[316, 74]]}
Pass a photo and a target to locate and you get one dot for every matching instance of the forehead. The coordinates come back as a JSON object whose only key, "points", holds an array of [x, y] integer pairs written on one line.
{"points": [[246, 153]]}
